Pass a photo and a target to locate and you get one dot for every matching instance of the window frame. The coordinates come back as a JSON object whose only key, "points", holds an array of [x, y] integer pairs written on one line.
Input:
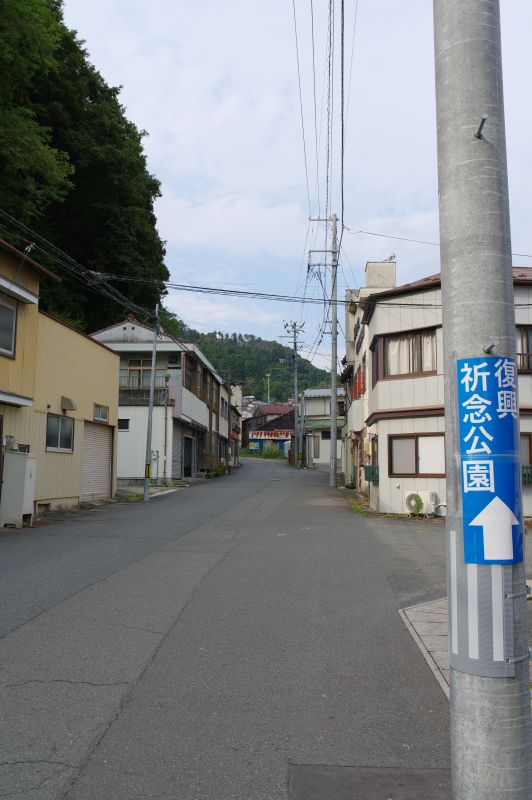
{"points": [[62, 421], [529, 437], [525, 356], [12, 306], [98, 418], [120, 426], [416, 437], [378, 354]]}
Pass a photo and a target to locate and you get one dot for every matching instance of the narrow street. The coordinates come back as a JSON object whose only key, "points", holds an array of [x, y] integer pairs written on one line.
{"points": [[238, 639]]}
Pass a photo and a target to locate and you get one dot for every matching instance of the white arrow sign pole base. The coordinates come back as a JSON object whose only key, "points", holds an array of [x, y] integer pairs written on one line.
{"points": [[497, 521]]}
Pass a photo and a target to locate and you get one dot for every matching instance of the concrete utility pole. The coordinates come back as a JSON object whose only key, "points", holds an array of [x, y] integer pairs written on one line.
{"points": [[147, 468], [268, 379], [334, 345], [296, 330], [491, 732]]}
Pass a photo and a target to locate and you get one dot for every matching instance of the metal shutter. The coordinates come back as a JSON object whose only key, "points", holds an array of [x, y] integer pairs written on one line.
{"points": [[97, 461]]}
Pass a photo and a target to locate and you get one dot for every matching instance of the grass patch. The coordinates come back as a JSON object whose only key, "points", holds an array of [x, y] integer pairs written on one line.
{"points": [[268, 452]]}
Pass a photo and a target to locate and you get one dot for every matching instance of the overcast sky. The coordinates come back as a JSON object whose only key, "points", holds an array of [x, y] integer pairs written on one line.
{"points": [[215, 85]]}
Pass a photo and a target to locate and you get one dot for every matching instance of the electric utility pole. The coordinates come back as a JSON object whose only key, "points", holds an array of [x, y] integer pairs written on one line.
{"points": [[491, 733], [267, 376], [147, 467], [334, 348], [296, 330]]}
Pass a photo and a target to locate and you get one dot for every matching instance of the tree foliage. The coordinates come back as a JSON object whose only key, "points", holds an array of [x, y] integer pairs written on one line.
{"points": [[247, 359], [33, 173], [71, 159]]}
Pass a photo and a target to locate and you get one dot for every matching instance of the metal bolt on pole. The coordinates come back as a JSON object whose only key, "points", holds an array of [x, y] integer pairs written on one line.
{"points": [[491, 733], [147, 467], [334, 345]]}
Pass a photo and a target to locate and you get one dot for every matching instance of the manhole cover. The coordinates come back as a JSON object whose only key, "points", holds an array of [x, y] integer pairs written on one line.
{"points": [[308, 782]]}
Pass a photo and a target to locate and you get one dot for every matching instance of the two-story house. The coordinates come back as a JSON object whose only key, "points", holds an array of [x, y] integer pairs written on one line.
{"points": [[315, 422], [191, 415], [58, 404], [397, 424]]}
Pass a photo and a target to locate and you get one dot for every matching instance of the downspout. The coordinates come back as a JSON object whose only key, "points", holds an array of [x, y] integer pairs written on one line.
{"points": [[165, 426]]}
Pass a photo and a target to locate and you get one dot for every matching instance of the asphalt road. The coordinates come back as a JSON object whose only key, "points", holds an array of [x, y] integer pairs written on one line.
{"points": [[214, 642]]}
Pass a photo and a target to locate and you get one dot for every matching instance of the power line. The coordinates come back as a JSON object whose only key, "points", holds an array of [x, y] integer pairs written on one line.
{"points": [[389, 236], [414, 241], [329, 104], [301, 106], [342, 125], [351, 64], [316, 146]]}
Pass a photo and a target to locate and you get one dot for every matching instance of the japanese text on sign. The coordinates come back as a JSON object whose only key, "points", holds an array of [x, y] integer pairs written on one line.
{"points": [[489, 454]]}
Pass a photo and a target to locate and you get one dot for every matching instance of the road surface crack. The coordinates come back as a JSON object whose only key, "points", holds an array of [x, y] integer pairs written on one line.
{"points": [[61, 680]]}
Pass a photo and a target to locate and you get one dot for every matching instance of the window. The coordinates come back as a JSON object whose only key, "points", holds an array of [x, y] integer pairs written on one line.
{"points": [[525, 442], [8, 323], [524, 348], [101, 413], [326, 435], [188, 374], [359, 381], [416, 455], [410, 353], [137, 375], [123, 424], [396, 355], [59, 433]]}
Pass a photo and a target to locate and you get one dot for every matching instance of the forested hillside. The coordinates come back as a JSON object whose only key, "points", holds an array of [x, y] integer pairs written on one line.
{"points": [[73, 171], [72, 167], [247, 359]]}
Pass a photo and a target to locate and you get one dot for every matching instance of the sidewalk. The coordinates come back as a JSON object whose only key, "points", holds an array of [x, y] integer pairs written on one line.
{"points": [[427, 623]]}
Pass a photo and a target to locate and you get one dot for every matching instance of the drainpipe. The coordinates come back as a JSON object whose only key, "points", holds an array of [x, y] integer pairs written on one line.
{"points": [[165, 426]]}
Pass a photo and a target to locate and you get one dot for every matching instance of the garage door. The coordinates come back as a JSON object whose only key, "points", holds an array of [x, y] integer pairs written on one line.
{"points": [[97, 461]]}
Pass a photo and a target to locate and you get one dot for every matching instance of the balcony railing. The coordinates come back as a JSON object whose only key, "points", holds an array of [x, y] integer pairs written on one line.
{"points": [[160, 383], [141, 397], [526, 472]]}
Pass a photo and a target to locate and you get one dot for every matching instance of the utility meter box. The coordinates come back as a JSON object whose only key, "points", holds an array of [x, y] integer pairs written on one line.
{"points": [[18, 489]]}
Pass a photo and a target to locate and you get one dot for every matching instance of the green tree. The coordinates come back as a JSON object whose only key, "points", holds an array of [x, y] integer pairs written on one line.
{"points": [[33, 171], [107, 221], [70, 158]]}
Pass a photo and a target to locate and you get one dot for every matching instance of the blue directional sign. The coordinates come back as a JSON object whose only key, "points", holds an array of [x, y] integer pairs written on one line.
{"points": [[489, 456]]}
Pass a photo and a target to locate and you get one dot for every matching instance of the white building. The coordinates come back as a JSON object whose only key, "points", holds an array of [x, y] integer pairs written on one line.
{"points": [[394, 433], [315, 418], [192, 406]]}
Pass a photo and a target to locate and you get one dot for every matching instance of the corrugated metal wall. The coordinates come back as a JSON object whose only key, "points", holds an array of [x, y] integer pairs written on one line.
{"points": [[97, 461]]}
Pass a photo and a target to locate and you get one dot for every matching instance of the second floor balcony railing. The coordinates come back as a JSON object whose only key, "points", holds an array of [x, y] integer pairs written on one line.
{"points": [[141, 397], [126, 382]]}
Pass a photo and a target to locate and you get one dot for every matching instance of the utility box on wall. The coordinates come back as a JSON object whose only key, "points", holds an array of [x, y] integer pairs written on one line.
{"points": [[18, 489]]}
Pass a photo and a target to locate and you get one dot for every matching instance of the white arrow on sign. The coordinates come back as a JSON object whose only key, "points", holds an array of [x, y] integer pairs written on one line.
{"points": [[497, 520]]}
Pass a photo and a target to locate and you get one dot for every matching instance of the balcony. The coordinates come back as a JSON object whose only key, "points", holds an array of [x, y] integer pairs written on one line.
{"points": [[141, 397]]}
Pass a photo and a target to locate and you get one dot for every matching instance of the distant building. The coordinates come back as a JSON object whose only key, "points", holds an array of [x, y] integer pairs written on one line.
{"points": [[275, 433], [315, 419], [261, 414], [192, 405]]}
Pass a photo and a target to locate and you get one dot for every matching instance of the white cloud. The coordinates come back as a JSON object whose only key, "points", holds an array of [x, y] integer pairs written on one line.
{"points": [[207, 313], [215, 84]]}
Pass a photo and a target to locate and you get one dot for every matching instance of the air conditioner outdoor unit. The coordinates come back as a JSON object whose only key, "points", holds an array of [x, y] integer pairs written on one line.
{"points": [[420, 502]]}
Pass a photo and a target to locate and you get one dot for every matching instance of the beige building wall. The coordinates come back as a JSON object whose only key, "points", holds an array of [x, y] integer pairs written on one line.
{"points": [[17, 375], [71, 365]]}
